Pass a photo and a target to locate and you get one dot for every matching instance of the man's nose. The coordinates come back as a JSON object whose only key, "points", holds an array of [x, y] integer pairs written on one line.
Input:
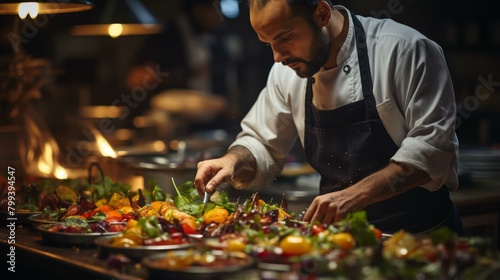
{"points": [[279, 56]]}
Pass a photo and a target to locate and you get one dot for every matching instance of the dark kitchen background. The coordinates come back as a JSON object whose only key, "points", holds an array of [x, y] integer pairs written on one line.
{"points": [[93, 68], [78, 79]]}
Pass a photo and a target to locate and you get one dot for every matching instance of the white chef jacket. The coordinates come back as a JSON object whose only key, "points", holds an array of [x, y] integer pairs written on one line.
{"points": [[412, 88]]}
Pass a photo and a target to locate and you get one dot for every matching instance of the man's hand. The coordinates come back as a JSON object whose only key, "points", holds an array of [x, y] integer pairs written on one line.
{"points": [[333, 207], [236, 166], [392, 180], [212, 173]]}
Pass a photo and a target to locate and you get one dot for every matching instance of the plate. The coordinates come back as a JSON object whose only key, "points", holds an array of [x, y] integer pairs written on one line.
{"points": [[37, 219], [223, 263], [21, 217], [138, 252], [66, 238]]}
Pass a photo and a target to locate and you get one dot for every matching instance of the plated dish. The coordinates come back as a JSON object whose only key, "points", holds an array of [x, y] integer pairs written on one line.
{"points": [[194, 264], [70, 238], [39, 218], [105, 245]]}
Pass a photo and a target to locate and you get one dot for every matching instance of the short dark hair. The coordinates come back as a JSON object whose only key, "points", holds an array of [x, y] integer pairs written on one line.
{"points": [[187, 5], [304, 8]]}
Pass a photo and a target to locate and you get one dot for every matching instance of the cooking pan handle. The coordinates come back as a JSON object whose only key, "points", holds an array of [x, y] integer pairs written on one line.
{"points": [[96, 166]]}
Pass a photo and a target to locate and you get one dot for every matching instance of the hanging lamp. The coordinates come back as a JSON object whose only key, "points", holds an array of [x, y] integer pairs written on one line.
{"points": [[34, 8], [121, 18]]}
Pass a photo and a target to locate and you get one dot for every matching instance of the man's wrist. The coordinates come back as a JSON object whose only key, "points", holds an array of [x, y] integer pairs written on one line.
{"points": [[244, 164]]}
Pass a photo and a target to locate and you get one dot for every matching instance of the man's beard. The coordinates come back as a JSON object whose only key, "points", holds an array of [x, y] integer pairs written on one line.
{"points": [[318, 53]]}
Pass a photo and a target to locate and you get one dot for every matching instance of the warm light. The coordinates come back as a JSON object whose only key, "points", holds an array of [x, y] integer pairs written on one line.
{"points": [[115, 30], [43, 8], [100, 112], [39, 150], [104, 29], [26, 8], [45, 162], [60, 173], [103, 145], [159, 145]]}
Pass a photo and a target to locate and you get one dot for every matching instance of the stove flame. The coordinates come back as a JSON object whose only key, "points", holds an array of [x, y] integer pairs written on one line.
{"points": [[103, 145], [38, 148]]}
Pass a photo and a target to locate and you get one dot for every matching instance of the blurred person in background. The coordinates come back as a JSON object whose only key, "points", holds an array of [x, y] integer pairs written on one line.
{"points": [[192, 50]]}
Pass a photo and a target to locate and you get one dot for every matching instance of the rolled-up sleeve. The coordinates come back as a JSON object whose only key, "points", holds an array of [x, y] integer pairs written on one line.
{"points": [[268, 131], [427, 101]]}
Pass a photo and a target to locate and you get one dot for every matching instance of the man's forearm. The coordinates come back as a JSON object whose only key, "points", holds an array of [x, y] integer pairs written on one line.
{"points": [[390, 181], [245, 167]]}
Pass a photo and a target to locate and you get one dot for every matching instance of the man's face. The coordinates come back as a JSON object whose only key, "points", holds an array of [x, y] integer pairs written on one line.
{"points": [[295, 42]]}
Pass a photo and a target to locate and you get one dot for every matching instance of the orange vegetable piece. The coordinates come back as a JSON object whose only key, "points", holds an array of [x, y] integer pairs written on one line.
{"points": [[113, 216], [216, 215], [103, 208]]}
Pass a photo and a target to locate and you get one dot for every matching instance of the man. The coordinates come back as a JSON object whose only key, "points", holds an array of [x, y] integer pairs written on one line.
{"points": [[373, 105]]}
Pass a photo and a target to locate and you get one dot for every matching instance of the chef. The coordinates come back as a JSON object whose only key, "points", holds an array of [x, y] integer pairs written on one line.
{"points": [[373, 105]]}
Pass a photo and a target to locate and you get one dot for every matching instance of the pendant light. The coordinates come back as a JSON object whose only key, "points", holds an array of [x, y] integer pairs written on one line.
{"points": [[34, 8], [121, 18]]}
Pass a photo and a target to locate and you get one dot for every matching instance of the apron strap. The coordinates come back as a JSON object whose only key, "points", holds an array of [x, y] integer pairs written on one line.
{"points": [[364, 67]]}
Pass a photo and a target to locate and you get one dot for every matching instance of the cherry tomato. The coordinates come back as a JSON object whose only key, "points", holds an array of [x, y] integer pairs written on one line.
{"points": [[188, 225], [317, 228], [55, 228], [187, 229], [378, 234], [344, 240], [293, 245], [86, 214], [116, 228], [128, 216]]}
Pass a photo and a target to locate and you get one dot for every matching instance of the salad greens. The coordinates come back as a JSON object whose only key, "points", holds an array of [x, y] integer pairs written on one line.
{"points": [[357, 224], [189, 201], [105, 188]]}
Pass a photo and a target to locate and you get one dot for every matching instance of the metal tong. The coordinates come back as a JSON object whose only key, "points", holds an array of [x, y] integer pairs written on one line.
{"points": [[206, 199]]}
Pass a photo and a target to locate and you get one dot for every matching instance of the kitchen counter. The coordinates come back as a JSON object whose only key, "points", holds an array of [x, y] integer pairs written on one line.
{"points": [[33, 255], [479, 207]]}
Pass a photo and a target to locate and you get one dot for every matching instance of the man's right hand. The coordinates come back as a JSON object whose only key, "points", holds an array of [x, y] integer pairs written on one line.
{"points": [[237, 165]]}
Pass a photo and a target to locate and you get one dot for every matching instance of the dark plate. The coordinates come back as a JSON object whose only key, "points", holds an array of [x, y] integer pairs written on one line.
{"points": [[136, 253], [66, 238], [155, 264], [37, 219]]}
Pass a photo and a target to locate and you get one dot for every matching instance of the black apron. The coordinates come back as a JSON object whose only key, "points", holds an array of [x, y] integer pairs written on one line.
{"points": [[347, 144]]}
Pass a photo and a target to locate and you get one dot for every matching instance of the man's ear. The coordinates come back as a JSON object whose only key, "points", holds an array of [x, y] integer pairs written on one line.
{"points": [[322, 14]]}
